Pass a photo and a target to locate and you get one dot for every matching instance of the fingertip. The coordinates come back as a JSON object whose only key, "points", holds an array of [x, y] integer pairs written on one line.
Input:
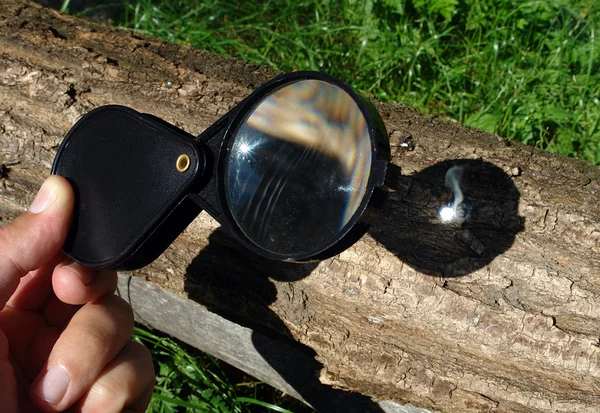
{"points": [[55, 195], [76, 284], [50, 388], [83, 275], [91, 340]]}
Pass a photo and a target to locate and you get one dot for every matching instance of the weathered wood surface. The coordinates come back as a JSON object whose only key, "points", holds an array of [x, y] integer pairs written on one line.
{"points": [[499, 314], [242, 347]]}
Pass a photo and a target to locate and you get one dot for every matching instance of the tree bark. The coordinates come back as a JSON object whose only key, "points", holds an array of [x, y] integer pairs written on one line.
{"points": [[496, 312]]}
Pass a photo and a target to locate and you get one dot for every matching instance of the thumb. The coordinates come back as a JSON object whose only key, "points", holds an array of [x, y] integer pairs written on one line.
{"points": [[36, 236]]}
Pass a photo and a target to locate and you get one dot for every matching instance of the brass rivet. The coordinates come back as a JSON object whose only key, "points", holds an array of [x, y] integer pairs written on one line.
{"points": [[183, 163]]}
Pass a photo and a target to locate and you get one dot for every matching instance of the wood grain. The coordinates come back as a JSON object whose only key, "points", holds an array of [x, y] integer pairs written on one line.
{"points": [[498, 314], [239, 346]]}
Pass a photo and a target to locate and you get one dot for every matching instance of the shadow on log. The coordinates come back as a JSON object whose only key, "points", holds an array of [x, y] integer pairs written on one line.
{"points": [[227, 287], [481, 205], [232, 281]]}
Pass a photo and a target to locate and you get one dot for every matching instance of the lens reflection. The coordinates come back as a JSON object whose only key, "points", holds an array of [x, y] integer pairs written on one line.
{"points": [[298, 167]]}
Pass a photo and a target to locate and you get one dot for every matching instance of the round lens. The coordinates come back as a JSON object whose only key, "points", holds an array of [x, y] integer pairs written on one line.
{"points": [[298, 168]]}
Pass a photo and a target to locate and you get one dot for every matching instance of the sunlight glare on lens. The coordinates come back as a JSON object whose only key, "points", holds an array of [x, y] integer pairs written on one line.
{"points": [[244, 148]]}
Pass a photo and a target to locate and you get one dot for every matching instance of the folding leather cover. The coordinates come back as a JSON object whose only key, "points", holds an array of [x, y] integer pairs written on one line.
{"points": [[123, 167]]}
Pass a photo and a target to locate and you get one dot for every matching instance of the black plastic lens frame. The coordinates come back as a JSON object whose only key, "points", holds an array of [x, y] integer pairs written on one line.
{"points": [[289, 172]]}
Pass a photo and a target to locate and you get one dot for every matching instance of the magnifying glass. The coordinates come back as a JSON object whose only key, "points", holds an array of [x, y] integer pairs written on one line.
{"points": [[289, 172]]}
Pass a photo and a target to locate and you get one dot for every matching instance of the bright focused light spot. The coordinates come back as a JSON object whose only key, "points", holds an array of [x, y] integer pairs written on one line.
{"points": [[244, 148], [447, 213]]}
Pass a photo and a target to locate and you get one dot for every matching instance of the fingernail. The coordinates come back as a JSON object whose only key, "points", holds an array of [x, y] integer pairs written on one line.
{"points": [[45, 197], [85, 274], [52, 387]]}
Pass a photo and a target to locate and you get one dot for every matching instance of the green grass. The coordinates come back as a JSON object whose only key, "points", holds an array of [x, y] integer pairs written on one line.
{"points": [[526, 70], [188, 380]]}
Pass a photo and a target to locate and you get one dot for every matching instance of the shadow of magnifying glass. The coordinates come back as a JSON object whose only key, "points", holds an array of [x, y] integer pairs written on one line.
{"points": [[236, 284], [451, 218], [448, 220]]}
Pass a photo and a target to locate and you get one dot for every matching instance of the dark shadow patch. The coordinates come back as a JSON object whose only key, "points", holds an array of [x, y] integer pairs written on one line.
{"points": [[57, 34], [4, 171], [112, 62], [231, 281], [486, 224]]}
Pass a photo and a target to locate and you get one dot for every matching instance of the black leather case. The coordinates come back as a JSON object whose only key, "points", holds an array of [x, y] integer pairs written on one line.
{"points": [[131, 193]]}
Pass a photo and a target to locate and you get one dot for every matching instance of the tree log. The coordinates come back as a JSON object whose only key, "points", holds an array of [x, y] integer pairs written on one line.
{"points": [[498, 311]]}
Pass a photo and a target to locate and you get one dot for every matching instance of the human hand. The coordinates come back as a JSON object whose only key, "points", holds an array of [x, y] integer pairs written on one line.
{"points": [[65, 338]]}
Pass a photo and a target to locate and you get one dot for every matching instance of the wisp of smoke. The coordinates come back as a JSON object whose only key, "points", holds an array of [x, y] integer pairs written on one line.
{"points": [[452, 181]]}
